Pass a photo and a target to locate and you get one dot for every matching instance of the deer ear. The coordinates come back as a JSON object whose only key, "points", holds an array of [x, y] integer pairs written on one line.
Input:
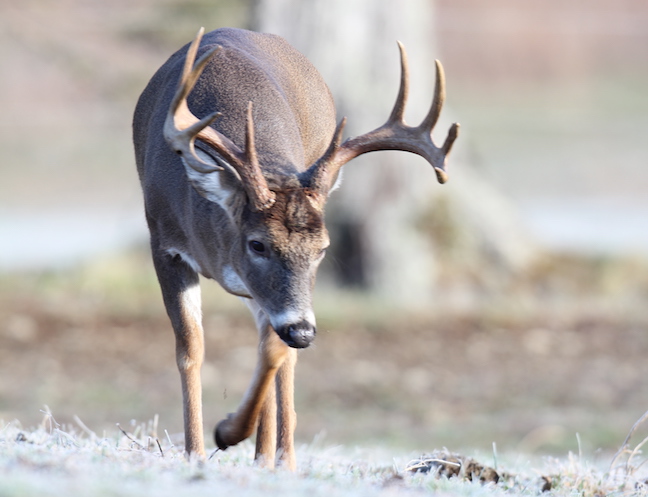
{"points": [[221, 187]]}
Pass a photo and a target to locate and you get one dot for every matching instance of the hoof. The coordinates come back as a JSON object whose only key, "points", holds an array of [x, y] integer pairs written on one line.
{"points": [[218, 438]]}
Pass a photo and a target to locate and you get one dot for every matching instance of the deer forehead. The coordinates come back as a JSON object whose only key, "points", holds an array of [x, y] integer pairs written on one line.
{"points": [[296, 220]]}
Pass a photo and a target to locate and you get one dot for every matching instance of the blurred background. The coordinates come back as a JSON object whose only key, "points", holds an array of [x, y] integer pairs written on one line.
{"points": [[508, 305]]}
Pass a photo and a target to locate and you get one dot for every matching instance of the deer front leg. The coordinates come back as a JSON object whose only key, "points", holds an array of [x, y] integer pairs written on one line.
{"points": [[266, 440], [287, 418], [240, 425], [181, 293], [277, 419]]}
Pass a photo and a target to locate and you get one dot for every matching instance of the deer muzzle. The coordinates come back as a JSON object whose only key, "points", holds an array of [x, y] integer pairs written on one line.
{"points": [[297, 335]]}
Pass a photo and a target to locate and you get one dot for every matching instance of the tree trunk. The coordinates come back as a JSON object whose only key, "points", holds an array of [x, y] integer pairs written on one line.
{"points": [[395, 231]]}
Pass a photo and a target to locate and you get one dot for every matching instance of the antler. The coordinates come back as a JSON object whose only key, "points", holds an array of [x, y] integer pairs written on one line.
{"points": [[181, 129], [393, 135]]}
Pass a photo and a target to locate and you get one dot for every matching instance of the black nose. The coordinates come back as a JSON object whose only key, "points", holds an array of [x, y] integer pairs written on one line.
{"points": [[298, 335]]}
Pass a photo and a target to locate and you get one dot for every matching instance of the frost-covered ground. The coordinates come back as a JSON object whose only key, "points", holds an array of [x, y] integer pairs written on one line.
{"points": [[51, 460]]}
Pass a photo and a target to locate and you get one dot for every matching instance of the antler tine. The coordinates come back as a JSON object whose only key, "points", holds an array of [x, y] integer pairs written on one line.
{"points": [[254, 183], [181, 129], [437, 102], [398, 112], [189, 79], [191, 56], [188, 136], [250, 149], [190, 74], [453, 132], [320, 171]]}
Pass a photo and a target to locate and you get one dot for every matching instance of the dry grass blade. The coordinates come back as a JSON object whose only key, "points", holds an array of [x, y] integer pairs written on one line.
{"points": [[624, 445], [635, 451], [83, 427], [169, 439], [157, 440], [627, 467], [139, 445]]}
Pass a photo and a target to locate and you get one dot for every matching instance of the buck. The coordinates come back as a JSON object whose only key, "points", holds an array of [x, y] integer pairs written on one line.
{"points": [[238, 195]]}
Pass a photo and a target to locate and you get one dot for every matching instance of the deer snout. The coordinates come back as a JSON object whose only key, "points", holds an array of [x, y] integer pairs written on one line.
{"points": [[297, 335]]}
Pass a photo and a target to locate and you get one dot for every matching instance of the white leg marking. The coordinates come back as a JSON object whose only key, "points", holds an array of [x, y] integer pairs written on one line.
{"points": [[192, 303]]}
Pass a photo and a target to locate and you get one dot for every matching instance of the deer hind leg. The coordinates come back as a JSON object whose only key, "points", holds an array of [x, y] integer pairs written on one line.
{"points": [[286, 416], [239, 425], [181, 293]]}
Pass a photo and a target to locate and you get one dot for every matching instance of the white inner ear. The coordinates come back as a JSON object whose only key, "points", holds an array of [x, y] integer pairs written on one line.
{"points": [[185, 257], [209, 185], [338, 181]]}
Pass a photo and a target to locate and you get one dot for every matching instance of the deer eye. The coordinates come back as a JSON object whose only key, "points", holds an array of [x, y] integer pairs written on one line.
{"points": [[256, 247]]}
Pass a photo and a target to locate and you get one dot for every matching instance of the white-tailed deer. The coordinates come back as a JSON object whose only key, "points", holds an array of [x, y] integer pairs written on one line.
{"points": [[238, 196]]}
